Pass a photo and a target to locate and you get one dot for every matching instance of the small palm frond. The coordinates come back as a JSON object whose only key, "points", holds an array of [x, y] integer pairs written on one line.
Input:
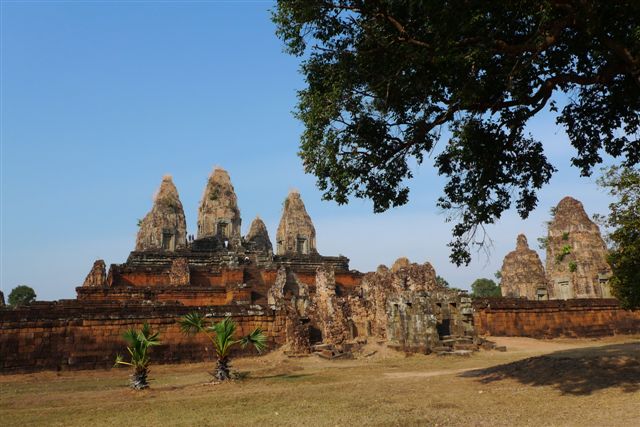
{"points": [[192, 323], [138, 345], [146, 337], [224, 331], [257, 338], [120, 361], [130, 336]]}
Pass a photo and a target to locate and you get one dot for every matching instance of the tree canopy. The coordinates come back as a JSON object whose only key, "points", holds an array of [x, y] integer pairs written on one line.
{"points": [[485, 288], [385, 79], [624, 221], [21, 295]]}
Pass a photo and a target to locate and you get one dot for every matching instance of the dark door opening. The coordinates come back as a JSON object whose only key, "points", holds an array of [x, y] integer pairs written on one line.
{"points": [[444, 328]]}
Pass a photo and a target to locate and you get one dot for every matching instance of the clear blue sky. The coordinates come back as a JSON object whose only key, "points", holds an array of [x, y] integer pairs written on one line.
{"points": [[100, 99]]}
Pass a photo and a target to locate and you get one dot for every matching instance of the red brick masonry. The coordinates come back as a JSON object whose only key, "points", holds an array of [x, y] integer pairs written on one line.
{"points": [[69, 334], [554, 318]]}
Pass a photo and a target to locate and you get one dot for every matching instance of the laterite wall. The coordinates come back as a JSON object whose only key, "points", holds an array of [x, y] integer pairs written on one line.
{"points": [[70, 335], [554, 318]]}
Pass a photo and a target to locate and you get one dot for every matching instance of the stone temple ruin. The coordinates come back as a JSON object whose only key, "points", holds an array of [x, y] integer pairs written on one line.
{"points": [[302, 300], [324, 305], [576, 264]]}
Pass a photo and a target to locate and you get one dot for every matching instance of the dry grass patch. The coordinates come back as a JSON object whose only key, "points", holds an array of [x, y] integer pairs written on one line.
{"points": [[532, 384]]}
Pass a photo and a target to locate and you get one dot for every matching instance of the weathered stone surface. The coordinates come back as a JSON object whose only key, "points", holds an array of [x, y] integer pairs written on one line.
{"points": [[218, 215], [329, 309], [98, 275], [555, 318], [296, 234], [258, 236], [400, 263], [576, 264], [164, 227], [522, 273], [275, 295], [407, 307], [411, 322], [179, 274], [296, 332]]}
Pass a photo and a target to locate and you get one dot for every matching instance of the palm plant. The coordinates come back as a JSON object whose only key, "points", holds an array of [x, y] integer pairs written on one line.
{"points": [[139, 343], [221, 335]]}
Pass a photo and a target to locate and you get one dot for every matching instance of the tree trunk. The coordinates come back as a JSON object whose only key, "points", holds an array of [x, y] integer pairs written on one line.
{"points": [[139, 379], [223, 369]]}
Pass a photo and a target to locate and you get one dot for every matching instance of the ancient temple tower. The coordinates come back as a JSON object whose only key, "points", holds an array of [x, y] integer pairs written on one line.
{"points": [[522, 274], [218, 215], [296, 234], [576, 262], [258, 236], [164, 227]]}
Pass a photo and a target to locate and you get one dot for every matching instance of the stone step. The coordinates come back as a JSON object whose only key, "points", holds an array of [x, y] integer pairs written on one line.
{"points": [[465, 346], [488, 345], [321, 347]]}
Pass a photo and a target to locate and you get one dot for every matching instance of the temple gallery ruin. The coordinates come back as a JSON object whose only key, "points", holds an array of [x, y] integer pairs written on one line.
{"points": [[305, 301]]}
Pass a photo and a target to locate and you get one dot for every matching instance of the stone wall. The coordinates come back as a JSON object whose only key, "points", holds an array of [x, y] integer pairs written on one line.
{"points": [[554, 318], [70, 335]]}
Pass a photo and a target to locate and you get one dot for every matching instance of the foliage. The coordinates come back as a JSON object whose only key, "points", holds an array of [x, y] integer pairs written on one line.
{"points": [[498, 274], [221, 335], [385, 79], [21, 295], [624, 221], [573, 267], [138, 348], [543, 243], [565, 235], [566, 250], [485, 288], [442, 282]]}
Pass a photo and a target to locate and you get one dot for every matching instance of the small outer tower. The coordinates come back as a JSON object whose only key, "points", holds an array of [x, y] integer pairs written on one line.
{"points": [[522, 274], [296, 234], [258, 236], [164, 227]]}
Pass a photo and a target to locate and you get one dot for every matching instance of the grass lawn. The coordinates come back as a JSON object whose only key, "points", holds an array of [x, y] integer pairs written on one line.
{"points": [[559, 382]]}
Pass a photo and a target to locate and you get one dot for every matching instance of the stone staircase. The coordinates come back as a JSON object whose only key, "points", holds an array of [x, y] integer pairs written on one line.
{"points": [[451, 345], [331, 352]]}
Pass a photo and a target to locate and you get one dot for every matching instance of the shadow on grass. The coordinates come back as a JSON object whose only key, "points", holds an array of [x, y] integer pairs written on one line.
{"points": [[284, 377], [577, 371]]}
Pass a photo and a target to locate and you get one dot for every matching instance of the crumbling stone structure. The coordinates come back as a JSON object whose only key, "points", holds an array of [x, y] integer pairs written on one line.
{"points": [[164, 227], [218, 215], [258, 237], [576, 254], [522, 274], [403, 306], [296, 234], [576, 260], [98, 274], [303, 299]]}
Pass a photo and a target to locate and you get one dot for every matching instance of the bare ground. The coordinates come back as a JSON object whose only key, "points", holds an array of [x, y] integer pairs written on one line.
{"points": [[536, 382]]}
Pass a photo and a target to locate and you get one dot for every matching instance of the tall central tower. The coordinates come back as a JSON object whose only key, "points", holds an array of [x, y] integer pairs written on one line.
{"points": [[218, 215]]}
